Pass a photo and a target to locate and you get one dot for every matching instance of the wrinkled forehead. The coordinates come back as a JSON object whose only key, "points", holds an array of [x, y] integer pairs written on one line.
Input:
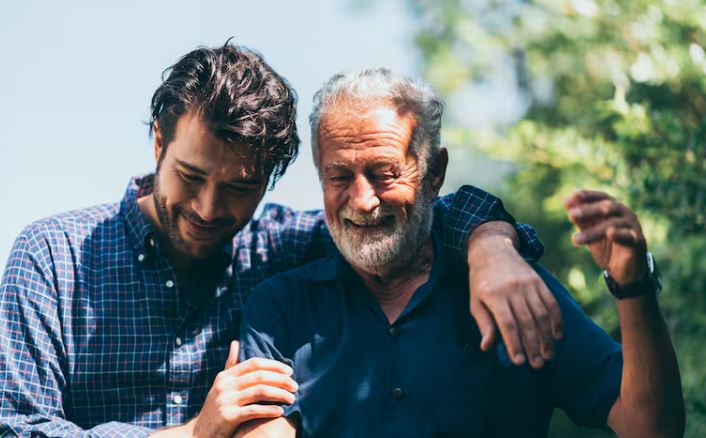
{"points": [[354, 122]]}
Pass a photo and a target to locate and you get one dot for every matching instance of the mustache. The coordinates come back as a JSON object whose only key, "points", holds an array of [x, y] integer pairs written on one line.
{"points": [[217, 223], [374, 217]]}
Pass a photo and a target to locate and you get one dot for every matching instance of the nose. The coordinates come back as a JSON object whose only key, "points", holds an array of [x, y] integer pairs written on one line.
{"points": [[363, 196], [207, 205]]}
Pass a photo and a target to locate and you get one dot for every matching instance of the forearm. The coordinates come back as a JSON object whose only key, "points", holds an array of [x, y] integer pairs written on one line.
{"points": [[181, 431], [277, 428], [650, 401], [499, 234], [39, 426]]}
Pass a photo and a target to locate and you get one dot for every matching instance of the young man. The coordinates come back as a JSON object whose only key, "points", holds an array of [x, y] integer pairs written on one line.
{"points": [[117, 319]]}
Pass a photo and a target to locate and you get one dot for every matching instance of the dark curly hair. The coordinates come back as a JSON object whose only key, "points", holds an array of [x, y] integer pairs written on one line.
{"points": [[239, 96]]}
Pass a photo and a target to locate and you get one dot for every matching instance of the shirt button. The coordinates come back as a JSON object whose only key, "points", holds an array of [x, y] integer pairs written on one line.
{"points": [[177, 399], [394, 331], [152, 242], [177, 341], [169, 284], [396, 393], [140, 257]]}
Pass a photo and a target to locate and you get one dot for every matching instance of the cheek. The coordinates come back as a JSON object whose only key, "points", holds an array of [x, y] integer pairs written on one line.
{"points": [[399, 194], [172, 190], [334, 199], [242, 208]]}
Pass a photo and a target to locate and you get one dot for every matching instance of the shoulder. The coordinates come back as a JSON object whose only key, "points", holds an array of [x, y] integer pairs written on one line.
{"points": [[297, 291], [61, 235], [295, 283], [71, 223], [274, 215]]}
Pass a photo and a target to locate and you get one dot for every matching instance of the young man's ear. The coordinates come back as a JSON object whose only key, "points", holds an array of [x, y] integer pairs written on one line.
{"points": [[437, 170], [158, 145]]}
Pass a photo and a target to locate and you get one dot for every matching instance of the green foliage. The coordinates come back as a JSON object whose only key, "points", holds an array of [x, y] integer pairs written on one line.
{"points": [[616, 94]]}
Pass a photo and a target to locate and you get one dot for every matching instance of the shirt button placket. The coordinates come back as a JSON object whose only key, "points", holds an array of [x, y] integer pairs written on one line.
{"points": [[396, 393], [176, 410]]}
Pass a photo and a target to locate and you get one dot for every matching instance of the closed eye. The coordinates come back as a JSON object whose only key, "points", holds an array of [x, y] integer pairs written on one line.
{"points": [[189, 178], [240, 189]]}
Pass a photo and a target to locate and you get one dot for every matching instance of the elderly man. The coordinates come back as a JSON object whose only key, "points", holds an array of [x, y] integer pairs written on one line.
{"points": [[116, 320], [378, 336]]}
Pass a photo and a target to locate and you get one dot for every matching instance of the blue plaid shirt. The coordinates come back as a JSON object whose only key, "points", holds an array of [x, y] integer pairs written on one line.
{"points": [[99, 338]]}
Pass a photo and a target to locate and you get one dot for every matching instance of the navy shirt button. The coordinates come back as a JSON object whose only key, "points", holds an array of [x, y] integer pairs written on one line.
{"points": [[394, 331], [396, 393]]}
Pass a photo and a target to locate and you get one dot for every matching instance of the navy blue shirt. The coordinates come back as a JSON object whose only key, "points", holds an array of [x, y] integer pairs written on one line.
{"points": [[423, 375]]}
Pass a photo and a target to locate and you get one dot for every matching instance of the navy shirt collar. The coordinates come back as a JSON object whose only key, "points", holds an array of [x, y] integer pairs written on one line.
{"points": [[336, 268]]}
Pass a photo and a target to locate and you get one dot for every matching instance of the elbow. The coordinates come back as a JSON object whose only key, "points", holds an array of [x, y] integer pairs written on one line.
{"points": [[668, 421]]}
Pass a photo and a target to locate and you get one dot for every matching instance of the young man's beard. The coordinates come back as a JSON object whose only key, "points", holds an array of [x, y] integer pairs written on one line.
{"points": [[170, 227]]}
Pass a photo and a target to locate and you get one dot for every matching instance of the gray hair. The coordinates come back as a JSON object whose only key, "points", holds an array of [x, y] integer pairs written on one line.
{"points": [[401, 91]]}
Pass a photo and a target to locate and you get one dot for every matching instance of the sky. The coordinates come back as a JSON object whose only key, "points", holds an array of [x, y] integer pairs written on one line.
{"points": [[77, 78]]}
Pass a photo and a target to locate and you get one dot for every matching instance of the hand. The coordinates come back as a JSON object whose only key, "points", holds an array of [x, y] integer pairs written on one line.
{"points": [[612, 233], [236, 391], [507, 294]]}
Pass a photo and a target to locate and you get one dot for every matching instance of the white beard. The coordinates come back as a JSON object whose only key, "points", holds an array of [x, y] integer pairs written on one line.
{"points": [[393, 243]]}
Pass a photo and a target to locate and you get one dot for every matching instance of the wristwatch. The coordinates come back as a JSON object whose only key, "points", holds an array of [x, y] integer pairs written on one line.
{"points": [[651, 284]]}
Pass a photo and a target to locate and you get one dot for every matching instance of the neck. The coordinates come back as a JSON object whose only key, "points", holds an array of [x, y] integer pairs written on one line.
{"points": [[181, 263], [394, 286]]}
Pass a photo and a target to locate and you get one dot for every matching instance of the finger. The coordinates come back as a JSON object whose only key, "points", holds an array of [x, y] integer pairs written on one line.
{"points": [[264, 393], [541, 318], [259, 363], [242, 414], [485, 324], [233, 355], [266, 378], [528, 332], [597, 232], [550, 303], [589, 213], [582, 196], [624, 236], [505, 321]]}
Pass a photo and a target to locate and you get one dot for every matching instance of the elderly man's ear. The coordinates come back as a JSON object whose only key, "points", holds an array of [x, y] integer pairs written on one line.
{"points": [[437, 170]]}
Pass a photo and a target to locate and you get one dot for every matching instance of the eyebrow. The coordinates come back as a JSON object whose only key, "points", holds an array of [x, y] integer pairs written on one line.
{"points": [[236, 180], [191, 167], [342, 166]]}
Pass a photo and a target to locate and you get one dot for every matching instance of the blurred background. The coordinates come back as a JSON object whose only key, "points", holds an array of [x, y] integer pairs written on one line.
{"points": [[542, 97]]}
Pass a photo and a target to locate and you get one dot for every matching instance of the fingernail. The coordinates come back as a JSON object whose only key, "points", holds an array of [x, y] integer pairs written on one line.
{"points": [[575, 212], [519, 359], [538, 362]]}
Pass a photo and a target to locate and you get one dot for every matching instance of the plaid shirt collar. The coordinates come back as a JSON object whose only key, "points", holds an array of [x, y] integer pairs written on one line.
{"points": [[143, 239]]}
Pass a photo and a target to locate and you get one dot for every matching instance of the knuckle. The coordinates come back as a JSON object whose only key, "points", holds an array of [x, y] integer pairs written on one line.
{"points": [[527, 327], [541, 314], [510, 327]]}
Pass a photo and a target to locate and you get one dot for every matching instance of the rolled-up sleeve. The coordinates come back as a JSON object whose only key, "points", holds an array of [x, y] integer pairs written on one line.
{"points": [[469, 207]]}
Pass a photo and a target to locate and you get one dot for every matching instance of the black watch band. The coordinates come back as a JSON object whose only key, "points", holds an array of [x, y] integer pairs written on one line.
{"points": [[652, 284]]}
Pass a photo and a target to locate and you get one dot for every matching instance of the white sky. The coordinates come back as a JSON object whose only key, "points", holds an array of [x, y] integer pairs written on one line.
{"points": [[76, 80]]}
